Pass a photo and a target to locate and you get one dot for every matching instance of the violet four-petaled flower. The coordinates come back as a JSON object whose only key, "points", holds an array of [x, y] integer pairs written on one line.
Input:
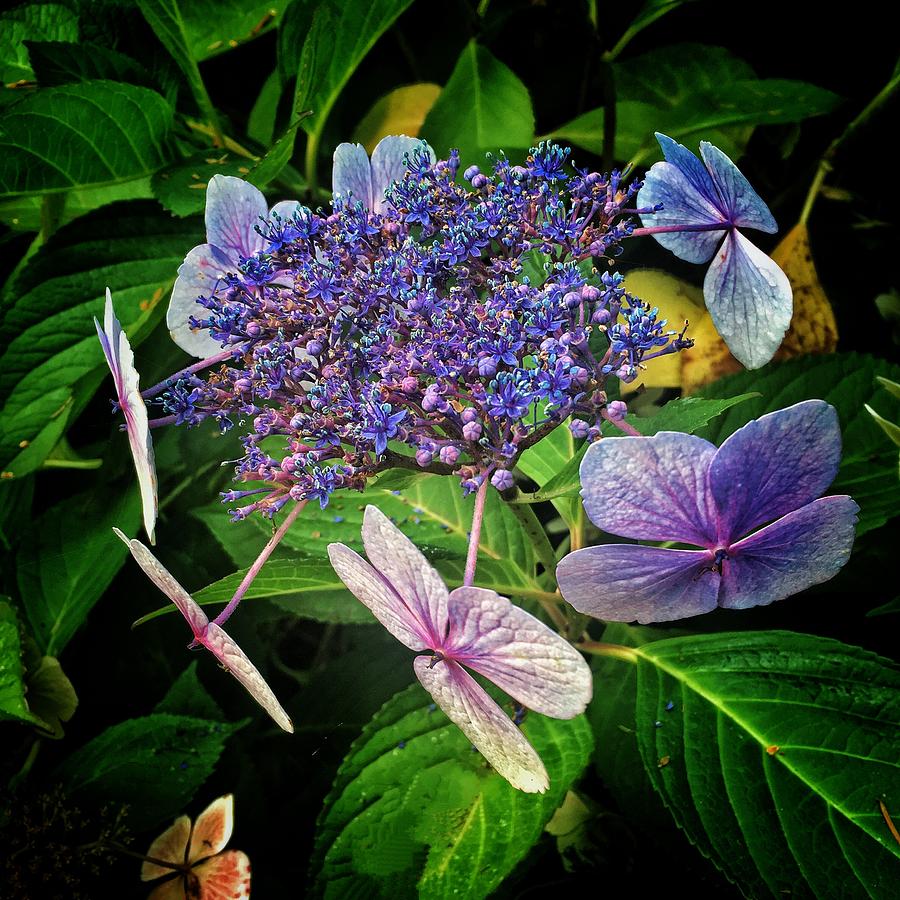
{"points": [[679, 487], [120, 359], [471, 627], [748, 296], [209, 634]]}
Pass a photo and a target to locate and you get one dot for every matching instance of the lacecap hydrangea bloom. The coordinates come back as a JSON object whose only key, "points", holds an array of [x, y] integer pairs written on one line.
{"points": [[447, 332], [679, 487]]}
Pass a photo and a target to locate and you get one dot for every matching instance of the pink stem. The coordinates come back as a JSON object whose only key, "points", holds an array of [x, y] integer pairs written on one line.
{"points": [[475, 533], [189, 370], [253, 571], [622, 425], [665, 229]]}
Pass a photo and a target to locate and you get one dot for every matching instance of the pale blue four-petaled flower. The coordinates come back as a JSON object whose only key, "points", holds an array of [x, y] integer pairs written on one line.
{"points": [[748, 296], [679, 487]]}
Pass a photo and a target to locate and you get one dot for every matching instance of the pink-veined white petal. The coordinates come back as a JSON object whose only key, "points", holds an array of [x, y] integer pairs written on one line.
{"points": [[210, 635], [234, 210], [518, 652], [224, 877], [212, 829], [484, 723], [120, 359], [170, 846], [389, 165]]}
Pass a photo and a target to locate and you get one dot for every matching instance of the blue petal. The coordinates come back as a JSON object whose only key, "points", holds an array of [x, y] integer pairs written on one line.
{"points": [[750, 300], [234, 208], [745, 208], [806, 547], [285, 209], [351, 174], [682, 204], [630, 582], [388, 165], [691, 168]]}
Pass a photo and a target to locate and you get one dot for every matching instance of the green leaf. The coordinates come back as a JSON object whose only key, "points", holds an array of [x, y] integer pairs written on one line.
{"points": [[164, 17], [292, 32], [261, 123], [213, 27], [187, 697], [891, 429], [35, 22], [647, 15], [12, 686], [892, 606], [92, 133], [51, 696], [551, 455], [181, 187], [775, 756], [272, 164], [155, 764], [868, 469], [692, 92], [52, 362], [415, 812], [341, 34], [483, 107], [686, 414], [69, 558], [307, 588], [58, 62]]}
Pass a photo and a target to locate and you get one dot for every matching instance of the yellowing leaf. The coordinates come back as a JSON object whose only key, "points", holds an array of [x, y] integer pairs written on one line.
{"points": [[677, 300], [402, 111], [51, 696], [813, 326]]}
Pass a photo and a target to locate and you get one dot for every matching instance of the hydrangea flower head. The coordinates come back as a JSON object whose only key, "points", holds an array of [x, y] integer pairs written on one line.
{"points": [[194, 856], [234, 211], [209, 634], [120, 359], [467, 627], [692, 204], [679, 487], [357, 179]]}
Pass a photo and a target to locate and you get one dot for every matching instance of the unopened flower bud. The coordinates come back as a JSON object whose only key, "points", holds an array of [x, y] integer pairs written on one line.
{"points": [[579, 428], [472, 431], [449, 455], [616, 410], [502, 479], [424, 457]]}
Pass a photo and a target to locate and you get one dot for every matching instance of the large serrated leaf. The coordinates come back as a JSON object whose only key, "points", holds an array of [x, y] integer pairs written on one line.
{"points": [[847, 381], [75, 135], [12, 681], [51, 362], [155, 764], [414, 808], [775, 756]]}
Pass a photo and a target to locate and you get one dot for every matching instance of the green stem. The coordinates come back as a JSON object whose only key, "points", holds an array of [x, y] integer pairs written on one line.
{"points": [[825, 163], [616, 651]]}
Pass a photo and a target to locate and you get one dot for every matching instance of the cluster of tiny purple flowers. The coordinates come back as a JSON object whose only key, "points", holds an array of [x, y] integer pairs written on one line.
{"points": [[447, 333]]}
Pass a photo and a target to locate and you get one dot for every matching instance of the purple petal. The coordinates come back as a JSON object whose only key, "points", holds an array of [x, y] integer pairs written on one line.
{"points": [[484, 723], [773, 465], [750, 300], [744, 206], [201, 274], [351, 174], [230, 655], [379, 596], [120, 359], [210, 635], [400, 562], [629, 582], [234, 208], [806, 547], [388, 165], [651, 488], [519, 653]]}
